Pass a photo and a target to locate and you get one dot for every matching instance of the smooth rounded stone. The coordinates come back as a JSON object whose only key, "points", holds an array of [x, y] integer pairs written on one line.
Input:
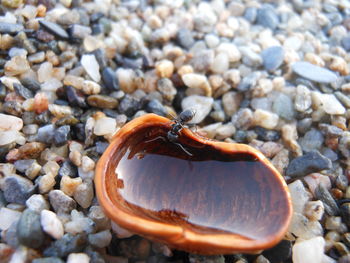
{"points": [[250, 14], [7, 217], [202, 106], [250, 58], [330, 154], [300, 196], [197, 81], [301, 227], [243, 119], [267, 17], [311, 162], [87, 164], [220, 63], [16, 66], [263, 103], [46, 133], [279, 253], [205, 19], [91, 87], [344, 99], [302, 100], [61, 202], [84, 194], [164, 68], [54, 29], [225, 131], [265, 119], [79, 31], [78, 258], [100, 239], [10, 28], [311, 250], [345, 213], [314, 210], [267, 135], [8, 137], [67, 244], [154, 106], [17, 189], [304, 125], [46, 183], [248, 81], [68, 185], [211, 129], [48, 260], [231, 101], [129, 106], [45, 72], [110, 79], [30, 129], [184, 38], [232, 52], [167, 89], [105, 126], [37, 203], [101, 220], [51, 224], [313, 72], [283, 107], [272, 57], [329, 203], [29, 232], [102, 101], [61, 135], [91, 66], [333, 222], [327, 102], [79, 224], [346, 43], [312, 140]]}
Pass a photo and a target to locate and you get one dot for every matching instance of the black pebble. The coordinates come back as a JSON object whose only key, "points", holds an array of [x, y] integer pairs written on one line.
{"points": [[110, 79], [129, 106], [74, 98], [279, 253], [267, 135], [154, 106]]}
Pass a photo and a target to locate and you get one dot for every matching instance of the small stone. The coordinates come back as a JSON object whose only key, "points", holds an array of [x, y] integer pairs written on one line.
{"points": [[313, 72], [7, 217], [102, 101], [61, 202], [267, 135], [310, 162], [105, 126], [17, 189], [54, 29], [67, 244], [311, 250], [22, 91], [67, 169], [10, 28], [230, 49], [48, 260], [267, 17], [265, 119], [84, 194], [197, 81], [79, 224], [328, 103], [283, 107], [46, 183], [46, 133], [110, 79], [16, 66], [345, 213], [272, 58], [78, 258], [314, 210], [91, 87], [184, 38], [101, 220], [225, 131], [100, 239], [37, 203], [330, 204], [202, 105], [9, 122], [164, 68], [51, 224], [312, 140], [333, 223], [68, 185], [80, 31], [166, 88], [91, 66], [45, 72], [301, 227], [75, 98], [316, 179], [60, 111], [61, 135], [129, 106], [302, 100], [220, 63], [29, 232], [243, 119], [154, 106]]}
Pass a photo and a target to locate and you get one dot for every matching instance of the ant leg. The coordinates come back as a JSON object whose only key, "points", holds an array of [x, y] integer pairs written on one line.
{"points": [[154, 139], [178, 144]]}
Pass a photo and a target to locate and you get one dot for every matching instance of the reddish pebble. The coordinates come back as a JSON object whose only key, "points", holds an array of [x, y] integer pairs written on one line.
{"points": [[41, 103]]}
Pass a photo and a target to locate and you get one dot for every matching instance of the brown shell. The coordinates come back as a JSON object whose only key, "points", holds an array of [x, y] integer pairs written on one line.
{"points": [[200, 195]]}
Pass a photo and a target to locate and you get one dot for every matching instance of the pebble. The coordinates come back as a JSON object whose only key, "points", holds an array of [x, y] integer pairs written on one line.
{"points": [[74, 97], [129, 106], [302, 100], [310, 162], [202, 105], [184, 38], [10, 28], [100, 239], [312, 140], [110, 79], [48, 260], [197, 81], [302, 228], [279, 253], [283, 107], [37, 203], [61, 202], [232, 52], [313, 72], [46, 133], [311, 250], [272, 58], [79, 31], [61, 135], [22, 91], [16, 66], [67, 169], [102, 101], [46, 183], [84, 194], [91, 66], [154, 106], [105, 126], [67, 244], [17, 189], [265, 119], [29, 232], [68, 185], [166, 88], [54, 29], [7, 217], [314, 210], [300, 196], [330, 204], [79, 224], [91, 87], [78, 258], [267, 17], [328, 103], [51, 224], [231, 101]]}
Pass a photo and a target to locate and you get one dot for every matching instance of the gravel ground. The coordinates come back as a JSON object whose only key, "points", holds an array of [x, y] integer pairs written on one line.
{"points": [[272, 74]]}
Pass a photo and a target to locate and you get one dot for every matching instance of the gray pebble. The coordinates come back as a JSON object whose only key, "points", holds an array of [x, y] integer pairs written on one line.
{"points": [[304, 125], [22, 91], [312, 140], [129, 106], [184, 38], [267, 17], [54, 28], [9, 28], [68, 169], [310, 162], [61, 202], [48, 260], [344, 99], [66, 245], [3, 201], [154, 106], [46, 133], [248, 81], [250, 14], [61, 135], [17, 189], [313, 72], [110, 79], [23, 165], [283, 107], [331, 130], [346, 43], [31, 83], [11, 235], [330, 205], [272, 58], [29, 230], [330, 154], [166, 88]]}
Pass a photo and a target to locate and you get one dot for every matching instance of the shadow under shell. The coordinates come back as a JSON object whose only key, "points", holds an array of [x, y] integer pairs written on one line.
{"points": [[206, 189]]}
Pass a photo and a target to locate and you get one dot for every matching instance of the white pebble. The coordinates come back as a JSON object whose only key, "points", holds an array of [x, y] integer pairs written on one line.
{"points": [[46, 183], [197, 81], [230, 50], [202, 105], [265, 119], [307, 251], [37, 203], [7, 217], [7, 137], [220, 63], [299, 196], [91, 87], [105, 126], [78, 258], [87, 164], [91, 66], [314, 210], [328, 103], [9, 122], [51, 224], [45, 72]]}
